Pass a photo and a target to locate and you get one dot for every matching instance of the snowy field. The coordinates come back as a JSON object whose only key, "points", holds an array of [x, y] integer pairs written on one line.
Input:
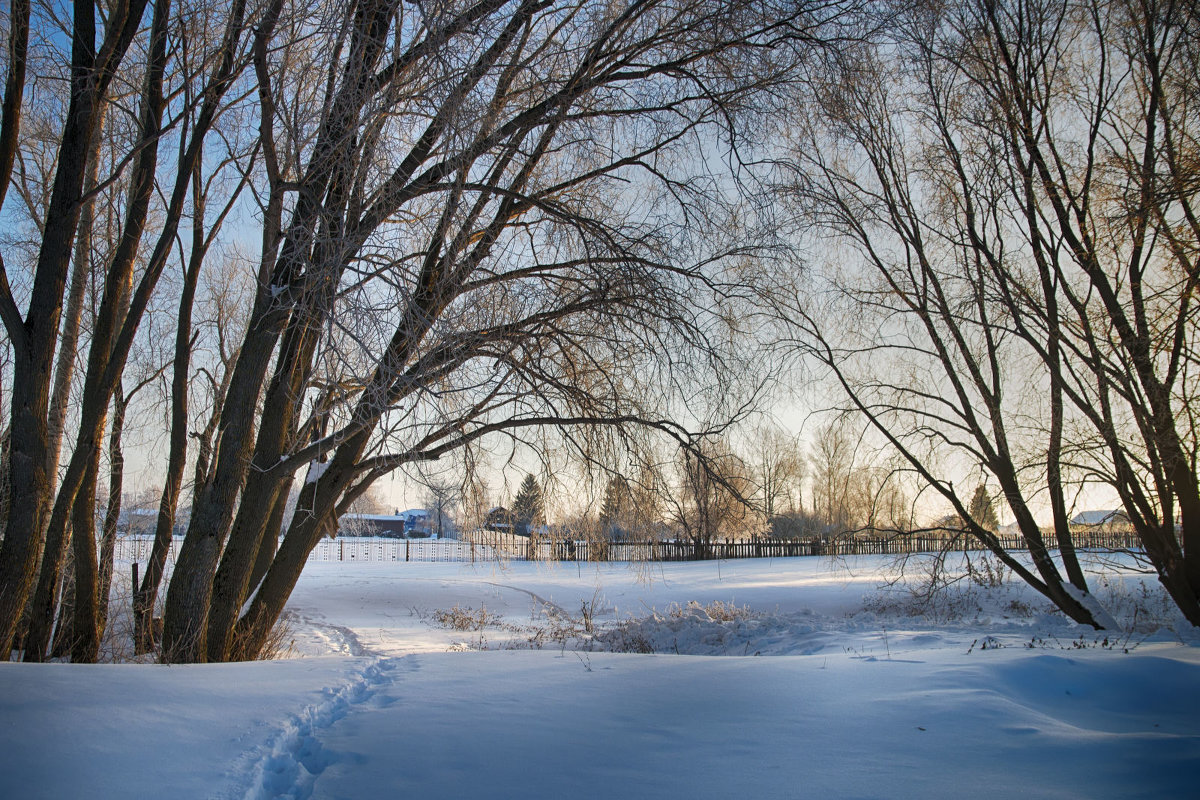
{"points": [[785, 678]]}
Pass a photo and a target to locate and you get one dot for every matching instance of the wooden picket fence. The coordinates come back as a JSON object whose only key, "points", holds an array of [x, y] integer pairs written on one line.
{"points": [[491, 546]]}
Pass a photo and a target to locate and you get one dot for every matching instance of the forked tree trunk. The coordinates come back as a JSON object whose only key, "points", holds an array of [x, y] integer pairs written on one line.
{"points": [[185, 621], [305, 532]]}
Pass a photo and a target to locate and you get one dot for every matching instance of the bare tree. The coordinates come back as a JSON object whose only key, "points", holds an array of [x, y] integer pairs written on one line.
{"points": [[451, 231], [179, 100], [778, 470], [836, 476], [442, 498], [1009, 178], [708, 498], [482, 221], [34, 334]]}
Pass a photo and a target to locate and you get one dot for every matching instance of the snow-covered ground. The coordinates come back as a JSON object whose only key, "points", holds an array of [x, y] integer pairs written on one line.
{"points": [[774, 678]]}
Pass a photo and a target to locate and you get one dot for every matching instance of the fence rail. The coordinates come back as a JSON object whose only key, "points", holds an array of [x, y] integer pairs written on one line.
{"points": [[488, 546], [137, 548], [521, 548]]}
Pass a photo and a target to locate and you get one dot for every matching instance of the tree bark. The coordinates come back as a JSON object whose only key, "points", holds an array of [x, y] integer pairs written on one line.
{"points": [[81, 268], [270, 538], [64, 629], [112, 512], [85, 633]]}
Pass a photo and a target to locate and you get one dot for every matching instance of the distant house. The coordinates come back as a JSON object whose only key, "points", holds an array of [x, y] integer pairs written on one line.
{"points": [[411, 524], [1101, 519], [500, 520], [416, 523]]}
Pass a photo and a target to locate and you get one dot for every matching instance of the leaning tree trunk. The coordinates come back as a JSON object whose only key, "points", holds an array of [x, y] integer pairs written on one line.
{"points": [[145, 596], [263, 489], [1052, 583], [1058, 506], [305, 532], [270, 540], [59, 537], [220, 82], [185, 619], [81, 268]]}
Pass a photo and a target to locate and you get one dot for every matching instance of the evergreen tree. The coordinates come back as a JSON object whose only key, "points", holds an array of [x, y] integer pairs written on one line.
{"points": [[527, 507], [615, 510], [982, 510]]}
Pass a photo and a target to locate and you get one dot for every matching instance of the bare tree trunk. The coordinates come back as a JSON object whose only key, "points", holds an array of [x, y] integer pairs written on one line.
{"points": [[471, 175], [120, 336], [85, 633], [112, 513], [59, 537], [4, 472], [263, 489], [1054, 482], [43, 604], [270, 538], [146, 595], [64, 636], [81, 268], [189, 597], [72, 631], [185, 621], [14, 89], [306, 530], [29, 490]]}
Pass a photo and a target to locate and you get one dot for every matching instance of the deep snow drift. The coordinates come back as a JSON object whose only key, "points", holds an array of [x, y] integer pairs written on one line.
{"points": [[984, 692]]}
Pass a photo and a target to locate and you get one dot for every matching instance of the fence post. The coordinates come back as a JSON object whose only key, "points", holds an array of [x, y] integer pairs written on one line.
{"points": [[407, 542]]}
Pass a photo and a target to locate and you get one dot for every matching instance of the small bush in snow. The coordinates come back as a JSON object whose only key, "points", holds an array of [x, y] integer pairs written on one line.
{"points": [[715, 611], [465, 619], [624, 638]]}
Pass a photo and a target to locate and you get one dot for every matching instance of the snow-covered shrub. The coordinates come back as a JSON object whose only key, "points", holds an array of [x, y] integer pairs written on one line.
{"points": [[465, 619]]}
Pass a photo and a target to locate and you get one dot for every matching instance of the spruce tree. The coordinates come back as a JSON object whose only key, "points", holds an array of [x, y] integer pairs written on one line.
{"points": [[527, 507], [981, 509], [615, 507]]}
